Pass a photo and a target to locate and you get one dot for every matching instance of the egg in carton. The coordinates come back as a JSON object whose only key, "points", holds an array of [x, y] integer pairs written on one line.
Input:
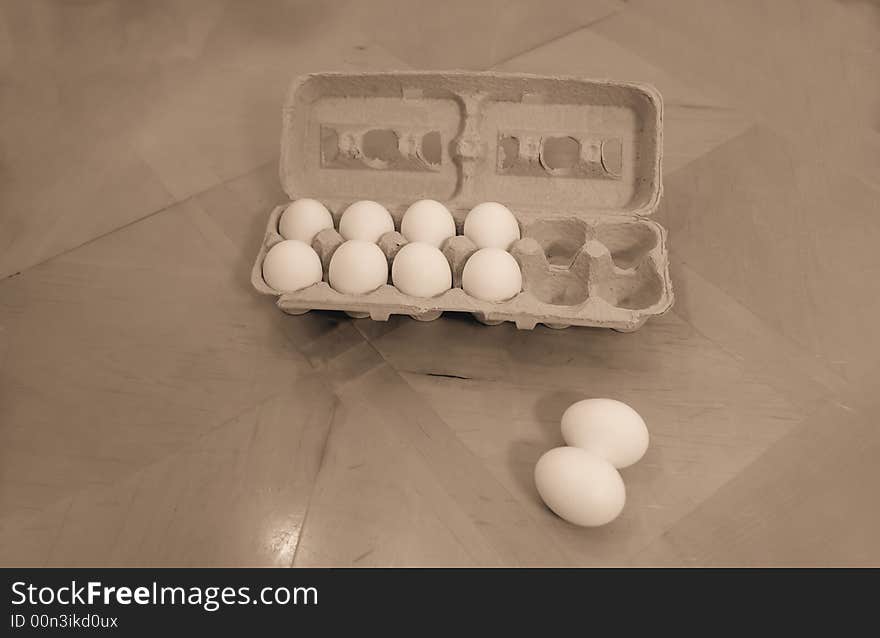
{"points": [[577, 161]]}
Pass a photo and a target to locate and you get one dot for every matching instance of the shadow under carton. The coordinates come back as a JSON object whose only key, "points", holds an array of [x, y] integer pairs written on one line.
{"points": [[577, 161]]}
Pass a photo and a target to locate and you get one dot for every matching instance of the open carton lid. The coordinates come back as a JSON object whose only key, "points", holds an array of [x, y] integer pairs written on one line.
{"points": [[539, 145]]}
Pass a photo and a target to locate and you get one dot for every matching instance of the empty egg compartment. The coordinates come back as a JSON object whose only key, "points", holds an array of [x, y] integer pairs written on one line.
{"points": [[569, 261]]}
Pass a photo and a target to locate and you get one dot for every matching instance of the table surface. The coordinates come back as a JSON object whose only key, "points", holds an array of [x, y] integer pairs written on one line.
{"points": [[155, 410]]}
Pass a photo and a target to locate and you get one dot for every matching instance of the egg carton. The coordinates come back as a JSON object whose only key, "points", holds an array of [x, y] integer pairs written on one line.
{"points": [[577, 161]]}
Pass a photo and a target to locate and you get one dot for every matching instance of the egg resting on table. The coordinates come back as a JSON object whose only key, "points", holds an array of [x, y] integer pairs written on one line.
{"points": [[580, 487], [608, 428]]}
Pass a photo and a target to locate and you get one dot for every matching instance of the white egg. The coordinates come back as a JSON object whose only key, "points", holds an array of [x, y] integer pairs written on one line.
{"points": [[428, 221], [580, 487], [608, 428], [358, 267], [491, 225], [291, 265], [303, 219], [421, 270], [365, 220], [491, 274]]}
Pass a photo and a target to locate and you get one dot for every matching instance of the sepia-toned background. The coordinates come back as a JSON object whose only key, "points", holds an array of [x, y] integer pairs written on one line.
{"points": [[154, 410]]}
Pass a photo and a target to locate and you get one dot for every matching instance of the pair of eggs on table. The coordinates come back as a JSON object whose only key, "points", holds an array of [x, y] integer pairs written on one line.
{"points": [[358, 266], [580, 483]]}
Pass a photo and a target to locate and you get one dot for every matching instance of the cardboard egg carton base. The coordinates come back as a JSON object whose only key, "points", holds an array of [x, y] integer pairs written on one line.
{"points": [[602, 273], [577, 161]]}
